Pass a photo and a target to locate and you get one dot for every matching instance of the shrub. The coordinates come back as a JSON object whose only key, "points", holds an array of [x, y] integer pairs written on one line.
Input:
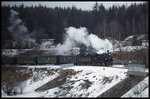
{"points": [[107, 79]]}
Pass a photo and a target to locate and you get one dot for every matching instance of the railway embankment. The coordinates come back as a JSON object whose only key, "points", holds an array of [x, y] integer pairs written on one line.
{"points": [[122, 87]]}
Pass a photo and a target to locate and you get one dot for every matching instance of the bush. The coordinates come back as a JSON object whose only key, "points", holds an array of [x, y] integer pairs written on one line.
{"points": [[107, 79]]}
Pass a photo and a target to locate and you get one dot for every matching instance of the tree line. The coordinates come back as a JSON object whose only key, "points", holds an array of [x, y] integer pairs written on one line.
{"points": [[115, 22]]}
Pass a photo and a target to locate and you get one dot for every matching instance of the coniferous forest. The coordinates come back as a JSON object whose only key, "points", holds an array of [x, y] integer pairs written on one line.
{"points": [[115, 22]]}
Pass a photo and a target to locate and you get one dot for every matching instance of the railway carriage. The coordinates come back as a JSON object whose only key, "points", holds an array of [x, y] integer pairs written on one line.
{"points": [[26, 61], [67, 59], [47, 60], [8, 60], [82, 60]]}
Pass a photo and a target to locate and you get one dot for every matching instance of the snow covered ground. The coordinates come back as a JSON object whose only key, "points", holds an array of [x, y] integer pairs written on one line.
{"points": [[129, 48], [13, 52], [126, 45], [89, 81], [140, 90], [101, 78]]}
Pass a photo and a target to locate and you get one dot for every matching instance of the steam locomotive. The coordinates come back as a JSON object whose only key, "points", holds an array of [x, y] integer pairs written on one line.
{"points": [[104, 59]]}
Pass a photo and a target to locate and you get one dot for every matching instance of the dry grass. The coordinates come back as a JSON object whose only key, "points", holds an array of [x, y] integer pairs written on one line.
{"points": [[107, 79], [16, 74], [70, 71]]}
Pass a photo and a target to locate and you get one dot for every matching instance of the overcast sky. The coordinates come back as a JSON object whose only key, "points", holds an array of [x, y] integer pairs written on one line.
{"points": [[87, 5]]}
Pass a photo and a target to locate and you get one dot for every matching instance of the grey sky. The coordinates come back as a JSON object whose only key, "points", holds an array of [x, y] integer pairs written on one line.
{"points": [[87, 5]]}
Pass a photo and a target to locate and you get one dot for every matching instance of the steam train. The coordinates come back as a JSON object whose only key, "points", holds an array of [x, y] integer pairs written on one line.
{"points": [[104, 59]]}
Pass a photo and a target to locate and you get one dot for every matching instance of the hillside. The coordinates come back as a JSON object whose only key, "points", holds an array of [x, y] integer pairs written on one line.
{"points": [[128, 50], [86, 81]]}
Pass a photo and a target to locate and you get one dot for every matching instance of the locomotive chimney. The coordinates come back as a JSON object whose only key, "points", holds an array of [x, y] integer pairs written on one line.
{"points": [[107, 51]]}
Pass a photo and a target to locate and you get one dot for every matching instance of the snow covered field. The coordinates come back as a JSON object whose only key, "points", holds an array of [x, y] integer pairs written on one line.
{"points": [[89, 81]]}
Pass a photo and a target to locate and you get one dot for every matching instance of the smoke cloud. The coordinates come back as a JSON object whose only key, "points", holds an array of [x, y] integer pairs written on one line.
{"points": [[18, 30], [73, 37], [80, 35]]}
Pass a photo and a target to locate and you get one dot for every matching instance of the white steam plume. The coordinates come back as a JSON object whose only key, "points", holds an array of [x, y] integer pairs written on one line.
{"points": [[98, 44], [80, 35]]}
